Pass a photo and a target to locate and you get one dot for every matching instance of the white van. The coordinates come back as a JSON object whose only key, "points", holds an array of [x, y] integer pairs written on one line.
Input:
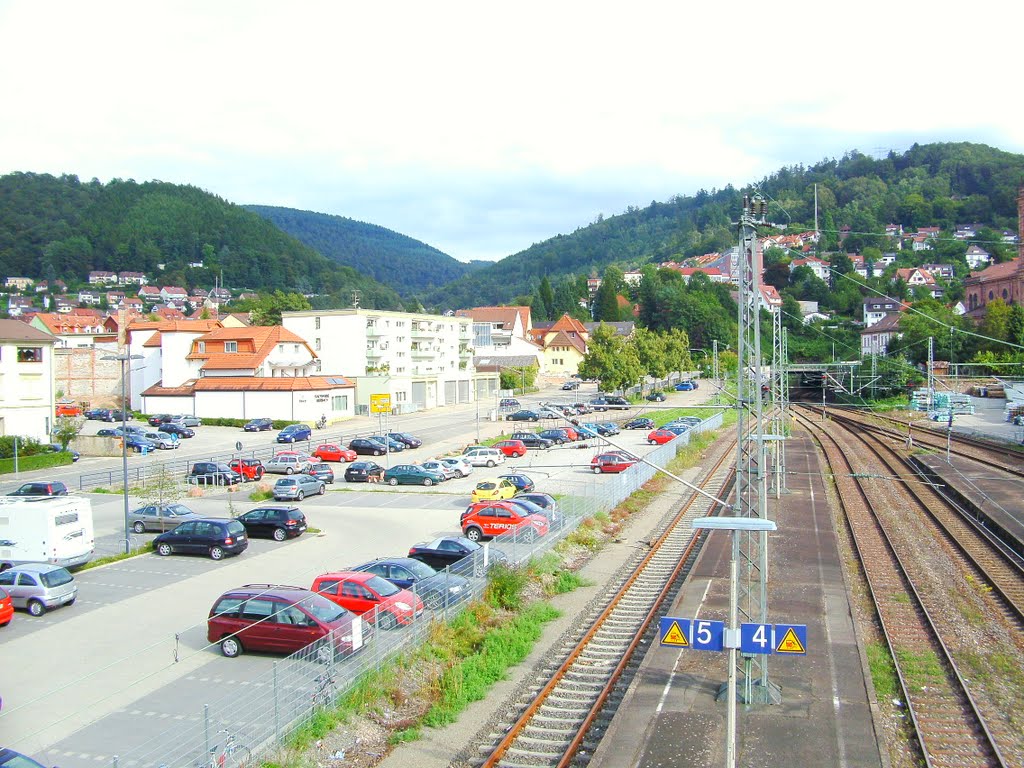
{"points": [[484, 457], [50, 529]]}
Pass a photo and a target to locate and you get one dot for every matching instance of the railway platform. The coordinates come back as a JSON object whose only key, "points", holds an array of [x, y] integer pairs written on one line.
{"points": [[827, 715]]}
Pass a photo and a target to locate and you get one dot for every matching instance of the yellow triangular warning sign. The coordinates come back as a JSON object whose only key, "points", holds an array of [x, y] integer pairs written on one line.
{"points": [[790, 643], [675, 636]]}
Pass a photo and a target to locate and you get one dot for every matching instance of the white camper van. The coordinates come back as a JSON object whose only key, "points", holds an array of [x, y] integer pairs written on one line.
{"points": [[53, 529]]}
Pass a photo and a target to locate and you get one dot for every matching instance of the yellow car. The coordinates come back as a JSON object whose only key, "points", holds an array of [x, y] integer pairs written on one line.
{"points": [[493, 490]]}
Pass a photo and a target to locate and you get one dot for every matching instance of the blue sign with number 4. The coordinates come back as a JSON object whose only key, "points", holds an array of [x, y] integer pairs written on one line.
{"points": [[755, 638]]}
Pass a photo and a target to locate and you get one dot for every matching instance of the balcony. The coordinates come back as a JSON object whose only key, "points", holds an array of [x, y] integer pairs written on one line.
{"points": [[465, 351], [422, 353], [373, 330], [422, 332], [374, 353]]}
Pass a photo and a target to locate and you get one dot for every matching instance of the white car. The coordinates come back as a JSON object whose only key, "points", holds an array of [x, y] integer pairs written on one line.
{"points": [[484, 457], [441, 468], [461, 467], [162, 440]]}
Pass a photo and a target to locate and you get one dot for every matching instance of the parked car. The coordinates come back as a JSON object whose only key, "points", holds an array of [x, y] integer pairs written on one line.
{"points": [[365, 594], [212, 473], [457, 464], [543, 500], [38, 587], [159, 418], [41, 488], [390, 444], [556, 436], [433, 588], [98, 414], [282, 619], [572, 433], [67, 409], [410, 441], [259, 425], [297, 487], [570, 386], [249, 469], [586, 432], [692, 421], [446, 471], [656, 397], [446, 551], [550, 413], [334, 452], [322, 471], [493, 518], [274, 521], [171, 428], [610, 462], [187, 420], [293, 433], [411, 474], [108, 432], [678, 429], [58, 448], [7, 608], [509, 404], [609, 402], [641, 422], [685, 386], [366, 447], [511, 448], [484, 457], [159, 517], [493, 489], [522, 483], [139, 444], [364, 472], [286, 464], [212, 536], [660, 436], [162, 440], [531, 440], [528, 507], [523, 415]]}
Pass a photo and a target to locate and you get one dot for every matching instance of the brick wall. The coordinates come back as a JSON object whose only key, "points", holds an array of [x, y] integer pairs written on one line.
{"points": [[81, 374]]}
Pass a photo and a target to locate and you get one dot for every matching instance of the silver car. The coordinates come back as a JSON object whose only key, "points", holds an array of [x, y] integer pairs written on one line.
{"points": [[445, 470], [39, 586], [286, 464], [162, 440], [187, 421], [297, 487], [460, 466], [159, 517]]}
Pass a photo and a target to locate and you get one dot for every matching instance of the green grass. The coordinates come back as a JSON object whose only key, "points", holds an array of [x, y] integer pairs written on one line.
{"points": [[36, 461], [261, 494], [144, 550], [920, 668], [883, 671]]}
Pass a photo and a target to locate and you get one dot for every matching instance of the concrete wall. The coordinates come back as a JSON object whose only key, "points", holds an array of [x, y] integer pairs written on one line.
{"points": [[82, 375]]}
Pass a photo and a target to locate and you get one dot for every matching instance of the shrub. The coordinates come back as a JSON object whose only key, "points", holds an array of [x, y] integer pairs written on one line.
{"points": [[505, 587]]}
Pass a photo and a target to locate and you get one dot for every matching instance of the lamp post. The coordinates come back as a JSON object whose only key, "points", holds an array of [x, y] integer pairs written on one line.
{"points": [[732, 631], [125, 360]]}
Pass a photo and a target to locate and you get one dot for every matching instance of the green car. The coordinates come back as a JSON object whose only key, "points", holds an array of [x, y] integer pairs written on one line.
{"points": [[411, 474]]}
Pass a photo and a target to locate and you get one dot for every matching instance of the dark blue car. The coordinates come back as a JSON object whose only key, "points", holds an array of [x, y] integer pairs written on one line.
{"points": [[293, 433], [434, 589]]}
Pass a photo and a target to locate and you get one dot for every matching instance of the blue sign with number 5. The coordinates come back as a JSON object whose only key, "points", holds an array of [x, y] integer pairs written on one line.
{"points": [[707, 635]]}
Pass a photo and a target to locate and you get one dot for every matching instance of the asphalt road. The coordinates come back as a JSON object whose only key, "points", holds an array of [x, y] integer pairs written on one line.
{"points": [[112, 672]]}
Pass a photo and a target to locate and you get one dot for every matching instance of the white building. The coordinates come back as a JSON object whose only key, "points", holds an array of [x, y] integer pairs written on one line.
{"points": [[27, 391], [420, 360]]}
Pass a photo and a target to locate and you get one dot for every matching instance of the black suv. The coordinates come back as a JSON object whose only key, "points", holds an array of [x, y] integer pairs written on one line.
{"points": [[364, 472], [557, 436], [44, 488], [212, 473], [213, 536], [277, 522], [607, 402], [531, 439], [366, 447], [170, 428]]}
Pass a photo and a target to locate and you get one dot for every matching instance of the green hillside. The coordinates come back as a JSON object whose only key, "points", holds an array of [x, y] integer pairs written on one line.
{"points": [[407, 265], [929, 185], [54, 227]]}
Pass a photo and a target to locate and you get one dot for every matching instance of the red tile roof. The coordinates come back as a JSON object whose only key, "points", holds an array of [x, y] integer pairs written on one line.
{"points": [[254, 345]]}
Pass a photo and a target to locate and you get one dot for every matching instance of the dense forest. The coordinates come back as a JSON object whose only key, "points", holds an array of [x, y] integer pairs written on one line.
{"points": [[58, 227], [407, 265], [928, 185]]}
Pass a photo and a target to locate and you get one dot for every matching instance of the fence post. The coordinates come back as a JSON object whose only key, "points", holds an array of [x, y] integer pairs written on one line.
{"points": [[277, 721], [206, 733]]}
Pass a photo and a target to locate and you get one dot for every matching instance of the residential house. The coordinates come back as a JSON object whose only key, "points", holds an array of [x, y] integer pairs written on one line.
{"points": [[593, 283], [895, 232], [73, 330], [132, 278], [977, 258], [235, 320], [563, 345], [945, 271], [168, 312], [1010, 237], [149, 295], [92, 298], [99, 277], [18, 305], [20, 283], [875, 309], [172, 294], [64, 304], [114, 298], [633, 277], [770, 298], [56, 286], [420, 360], [500, 330], [26, 369], [157, 341], [875, 340], [966, 231], [715, 274], [819, 267]]}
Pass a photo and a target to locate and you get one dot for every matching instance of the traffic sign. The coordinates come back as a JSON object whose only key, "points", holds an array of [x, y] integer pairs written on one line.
{"points": [[380, 403], [708, 635], [755, 638], [791, 639], [674, 632]]}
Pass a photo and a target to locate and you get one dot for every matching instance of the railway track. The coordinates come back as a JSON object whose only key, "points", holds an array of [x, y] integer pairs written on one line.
{"points": [[954, 726], [559, 718]]}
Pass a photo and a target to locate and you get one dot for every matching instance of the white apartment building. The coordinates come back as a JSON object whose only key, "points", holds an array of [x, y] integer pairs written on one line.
{"points": [[420, 360], [27, 391]]}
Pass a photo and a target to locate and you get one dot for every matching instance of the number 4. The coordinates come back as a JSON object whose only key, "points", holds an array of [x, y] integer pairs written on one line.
{"points": [[761, 636]]}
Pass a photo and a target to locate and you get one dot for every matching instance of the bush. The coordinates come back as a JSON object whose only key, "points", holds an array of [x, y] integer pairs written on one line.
{"points": [[27, 446], [505, 586], [38, 461]]}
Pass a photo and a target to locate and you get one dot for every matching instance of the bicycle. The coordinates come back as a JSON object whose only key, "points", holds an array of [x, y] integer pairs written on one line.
{"points": [[325, 692], [233, 755]]}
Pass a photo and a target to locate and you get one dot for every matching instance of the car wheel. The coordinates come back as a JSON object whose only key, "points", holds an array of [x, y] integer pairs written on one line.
{"points": [[490, 463], [474, 534], [163, 549], [378, 453], [280, 534], [427, 481], [71, 601], [231, 647], [36, 608], [216, 553], [139, 527], [289, 471], [597, 470], [259, 473], [516, 454], [387, 621], [300, 496], [393, 481], [459, 474]]}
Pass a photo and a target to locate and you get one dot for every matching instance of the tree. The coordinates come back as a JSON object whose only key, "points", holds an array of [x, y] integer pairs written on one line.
{"points": [[1015, 326], [66, 428], [267, 309], [650, 351], [547, 296], [610, 360]]}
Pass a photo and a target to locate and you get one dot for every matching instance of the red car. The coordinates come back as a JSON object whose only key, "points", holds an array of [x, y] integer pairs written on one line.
{"points": [[660, 436], [573, 434], [334, 452], [6, 608], [68, 409], [610, 462], [249, 469], [374, 598], [513, 448], [493, 518]]}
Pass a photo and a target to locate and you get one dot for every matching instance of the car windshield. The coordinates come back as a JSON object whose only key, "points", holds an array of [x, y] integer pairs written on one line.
{"points": [[56, 577], [323, 609], [418, 569], [382, 587]]}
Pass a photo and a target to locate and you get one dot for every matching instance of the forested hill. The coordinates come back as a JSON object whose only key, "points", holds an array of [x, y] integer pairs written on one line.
{"points": [[407, 265], [928, 185], [59, 227]]}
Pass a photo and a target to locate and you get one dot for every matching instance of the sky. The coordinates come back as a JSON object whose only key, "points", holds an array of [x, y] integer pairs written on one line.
{"points": [[482, 128]]}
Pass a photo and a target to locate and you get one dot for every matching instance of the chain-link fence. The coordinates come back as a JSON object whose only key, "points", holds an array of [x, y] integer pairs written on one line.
{"points": [[251, 719]]}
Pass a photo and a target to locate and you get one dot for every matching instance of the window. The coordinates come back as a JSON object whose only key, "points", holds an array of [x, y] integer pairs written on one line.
{"points": [[316, 343], [339, 403], [30, 354], [230, 346], [316, 323], [201, 346]]}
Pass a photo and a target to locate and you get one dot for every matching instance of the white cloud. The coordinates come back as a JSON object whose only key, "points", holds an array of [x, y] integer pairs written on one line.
{"points": [[478, 128]]}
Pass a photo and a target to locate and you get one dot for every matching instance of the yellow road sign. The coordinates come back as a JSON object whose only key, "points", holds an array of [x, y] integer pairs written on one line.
{"points": [[380, 403]]}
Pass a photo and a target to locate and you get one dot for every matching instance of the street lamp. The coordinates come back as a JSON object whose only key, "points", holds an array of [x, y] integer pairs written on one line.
{"points": [[732, 631], [125, 360]]}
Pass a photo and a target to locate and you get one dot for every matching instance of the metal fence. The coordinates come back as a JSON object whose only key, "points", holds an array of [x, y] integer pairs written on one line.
{"points": [[252, 719]]}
